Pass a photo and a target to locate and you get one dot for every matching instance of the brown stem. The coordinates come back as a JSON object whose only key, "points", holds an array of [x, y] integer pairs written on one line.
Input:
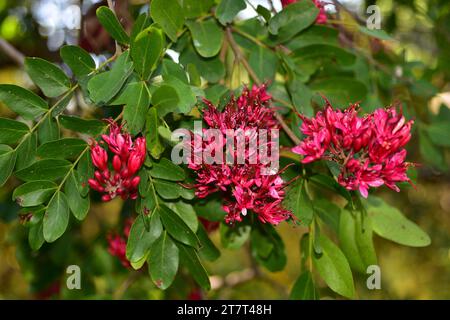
{"points": [[12, 52], [241, 58]]}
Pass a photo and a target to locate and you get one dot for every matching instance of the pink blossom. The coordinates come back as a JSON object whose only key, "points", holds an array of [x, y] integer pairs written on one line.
{"points": [[117, 243], [128, 158], [243, 187], [368, 149]]}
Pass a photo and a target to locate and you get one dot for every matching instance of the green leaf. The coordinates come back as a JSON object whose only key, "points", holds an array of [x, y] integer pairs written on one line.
{"points": [[22, 101], [211, 69], [208, 250], [136, 107], [142, 22], [331, 184], [62, 104], [316, 34], [431, 153], [146, 50], [48, 169], [34, 193], [216, 93], [48, 130], [56, 218], [140, 239], [78, 60], [195, 8], [47, 76], [340, 91], [36, 236], [171, 69], [7, 162], [334, 268], [376, 33], [167, 190], [298, 201], [304, 288], [194, 76], [90, 127], [191, 261], [167, 170], [267, 247], [66, 148], [228, 9], [187, 97], [207, 37], [186, 212], [165, 99], [26, 152], [293, 19], [264, 12], [85, 170], [104, 86], [355, 238], [154, 144], [110, 22], [169, 15], [301, 96], [234, 237], [211, 210], [176, 227], [328, 212], [439, 133], [264, 62], [389, 223], [12, 131], [163, 261], [78, 205]]}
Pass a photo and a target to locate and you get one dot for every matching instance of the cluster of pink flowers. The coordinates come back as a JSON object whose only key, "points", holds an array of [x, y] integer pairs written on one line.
{"points": [[117, 243], [369, 149], [321, 18], [128, 158], [243, 186]]}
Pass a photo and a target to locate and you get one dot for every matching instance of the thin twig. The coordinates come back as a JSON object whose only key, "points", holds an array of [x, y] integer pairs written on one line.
{"points": [[12, 52], [240, 57], [125, 285]]}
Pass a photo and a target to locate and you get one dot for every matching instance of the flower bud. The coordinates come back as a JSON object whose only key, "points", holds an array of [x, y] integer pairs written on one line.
{"points": [[117, 164]]}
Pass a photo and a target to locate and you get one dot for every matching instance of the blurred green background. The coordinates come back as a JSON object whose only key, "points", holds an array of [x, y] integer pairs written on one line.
{"points": [[40, 27]]}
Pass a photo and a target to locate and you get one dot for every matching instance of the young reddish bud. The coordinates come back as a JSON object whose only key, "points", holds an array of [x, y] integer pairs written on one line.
{"points": [[134, 163], [106, 174], [95, 185], [99, 177], [134, 196], [135, 182], [117, 164], [128, 158], [99, 157]]}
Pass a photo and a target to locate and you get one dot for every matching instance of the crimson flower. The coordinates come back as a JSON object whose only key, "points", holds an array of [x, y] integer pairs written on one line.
{"points": [[368, 149], [128, 158], [117, 243], [242, 185]]}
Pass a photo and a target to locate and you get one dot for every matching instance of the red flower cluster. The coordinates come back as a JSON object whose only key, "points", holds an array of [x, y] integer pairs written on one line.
{"points": [[368, 149], [321, 18], [117, 244], [243, 185], [129, 156]]}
